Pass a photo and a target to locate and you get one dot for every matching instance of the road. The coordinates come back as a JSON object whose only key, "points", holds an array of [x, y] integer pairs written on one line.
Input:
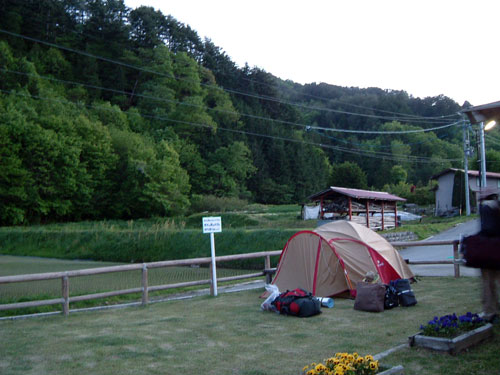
{"points": [[444, 252]]}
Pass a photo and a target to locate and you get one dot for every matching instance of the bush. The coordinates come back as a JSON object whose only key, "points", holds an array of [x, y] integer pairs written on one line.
{"points": [[211, 203]]}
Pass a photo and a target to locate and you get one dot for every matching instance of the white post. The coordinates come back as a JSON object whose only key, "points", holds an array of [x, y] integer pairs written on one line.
{"points": [[214, 275], [483, 155]]}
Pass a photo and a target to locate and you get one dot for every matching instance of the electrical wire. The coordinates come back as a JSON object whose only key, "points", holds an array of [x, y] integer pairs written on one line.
{"points": [[303, 126], [379, 155], [203, 84]]}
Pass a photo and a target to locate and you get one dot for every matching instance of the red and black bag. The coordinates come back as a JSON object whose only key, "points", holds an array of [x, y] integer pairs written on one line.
{"points": [[297, 302]]}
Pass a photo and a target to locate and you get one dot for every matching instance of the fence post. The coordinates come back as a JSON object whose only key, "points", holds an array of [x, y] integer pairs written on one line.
{"points": [[267, 265], [455, 259], [145, 292], [65, 294]]}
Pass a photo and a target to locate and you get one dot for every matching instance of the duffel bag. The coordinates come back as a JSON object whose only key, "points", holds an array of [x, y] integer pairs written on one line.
{"points": [[406, 297]]}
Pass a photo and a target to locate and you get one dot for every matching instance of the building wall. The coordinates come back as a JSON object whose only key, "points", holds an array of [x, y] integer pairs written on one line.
{"points": [[444, 193]]}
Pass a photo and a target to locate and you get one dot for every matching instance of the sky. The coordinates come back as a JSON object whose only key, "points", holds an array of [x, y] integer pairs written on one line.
{"points": [[426, 48]]}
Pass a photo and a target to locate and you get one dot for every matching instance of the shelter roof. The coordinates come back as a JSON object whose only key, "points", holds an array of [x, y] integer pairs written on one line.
{"points": [[357, 193]]}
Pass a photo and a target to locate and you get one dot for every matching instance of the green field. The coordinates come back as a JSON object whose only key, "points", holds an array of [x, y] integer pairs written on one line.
{"points": [[229, 335]]}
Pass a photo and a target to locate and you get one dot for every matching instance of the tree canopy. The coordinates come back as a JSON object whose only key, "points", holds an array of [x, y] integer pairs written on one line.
{"points": [[110, 112]]}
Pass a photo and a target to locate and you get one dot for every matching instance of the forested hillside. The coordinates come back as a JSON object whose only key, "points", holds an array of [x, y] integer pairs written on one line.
{"points": [[116, 113]]}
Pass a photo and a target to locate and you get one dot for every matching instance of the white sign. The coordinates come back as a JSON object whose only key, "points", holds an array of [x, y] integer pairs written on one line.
{"points": [[212, 224]]}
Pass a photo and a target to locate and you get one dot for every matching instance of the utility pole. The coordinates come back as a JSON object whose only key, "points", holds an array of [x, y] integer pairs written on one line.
{"points": [[468, 151]]}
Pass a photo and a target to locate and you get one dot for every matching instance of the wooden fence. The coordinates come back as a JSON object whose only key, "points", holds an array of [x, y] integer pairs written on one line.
{"points": [[144, 289]]}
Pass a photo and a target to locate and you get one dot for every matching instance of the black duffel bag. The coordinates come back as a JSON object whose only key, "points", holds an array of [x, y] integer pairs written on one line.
{"points": [[406, 297], [480, 251]]}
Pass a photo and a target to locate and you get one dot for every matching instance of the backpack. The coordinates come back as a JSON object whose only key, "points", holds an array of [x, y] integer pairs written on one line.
{"points": [[391, 297], [297, 302], [406, 297]]}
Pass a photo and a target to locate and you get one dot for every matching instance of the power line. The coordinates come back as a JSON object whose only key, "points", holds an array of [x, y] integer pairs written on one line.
{"points": [[431, 119], [304, 126], [378, 155]]}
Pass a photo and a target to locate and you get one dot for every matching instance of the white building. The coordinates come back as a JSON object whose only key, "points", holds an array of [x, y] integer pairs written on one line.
{"points": [[450, 191]]}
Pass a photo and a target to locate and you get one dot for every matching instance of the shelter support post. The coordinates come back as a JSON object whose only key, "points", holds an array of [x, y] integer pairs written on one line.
{"points": [[383, 215], [395, 215], [350, 209], [367, 213]]}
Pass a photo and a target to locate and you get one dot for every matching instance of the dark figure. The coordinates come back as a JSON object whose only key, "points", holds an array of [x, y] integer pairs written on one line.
{"points": [[489, 210]]}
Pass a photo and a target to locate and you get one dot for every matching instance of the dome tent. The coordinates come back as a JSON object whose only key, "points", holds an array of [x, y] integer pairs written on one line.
{"points": [[334, 257]]}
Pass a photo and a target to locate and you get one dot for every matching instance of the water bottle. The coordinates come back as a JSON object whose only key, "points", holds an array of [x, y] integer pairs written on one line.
{"points": [[326, 302]]}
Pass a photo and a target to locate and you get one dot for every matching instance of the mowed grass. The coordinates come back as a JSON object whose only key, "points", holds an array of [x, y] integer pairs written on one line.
{"points": [[229, 334]]}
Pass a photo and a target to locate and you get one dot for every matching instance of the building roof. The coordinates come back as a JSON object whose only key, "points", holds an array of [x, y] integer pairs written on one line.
{"points": [[483, 113], [470, 173], [357, 193]]}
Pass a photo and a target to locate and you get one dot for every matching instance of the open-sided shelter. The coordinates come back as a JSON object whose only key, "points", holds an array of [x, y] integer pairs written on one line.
{"points": [[375, 209], [334, 257]]}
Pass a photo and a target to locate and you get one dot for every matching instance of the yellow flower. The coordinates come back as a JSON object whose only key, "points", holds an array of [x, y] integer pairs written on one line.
{"points": [[356, 355], [374, 365], [360, 360], [350, 358], [311, 372], [320, 367], [368, 358]]}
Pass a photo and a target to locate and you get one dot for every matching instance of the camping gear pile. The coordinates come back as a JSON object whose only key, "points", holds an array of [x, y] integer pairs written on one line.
{"points": [[377, 297]]}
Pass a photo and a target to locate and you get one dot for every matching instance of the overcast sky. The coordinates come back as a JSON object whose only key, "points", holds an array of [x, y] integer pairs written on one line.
{"points": [[425, 47]]}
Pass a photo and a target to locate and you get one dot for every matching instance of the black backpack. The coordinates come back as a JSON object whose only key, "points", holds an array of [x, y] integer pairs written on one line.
{"points": [[391, 297], [297, 302], [406, 297]]}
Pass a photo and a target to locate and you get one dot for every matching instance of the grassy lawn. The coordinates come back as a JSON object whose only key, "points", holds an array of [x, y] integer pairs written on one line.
{"points": [[230, 335]]}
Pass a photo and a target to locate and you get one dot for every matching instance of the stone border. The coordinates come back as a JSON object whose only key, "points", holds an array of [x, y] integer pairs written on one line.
{"points": [[396, 370], [453, 345]]}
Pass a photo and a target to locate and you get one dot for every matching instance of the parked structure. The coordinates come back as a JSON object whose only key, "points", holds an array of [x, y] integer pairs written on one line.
{"points": [[375, 209], [450, 190]]}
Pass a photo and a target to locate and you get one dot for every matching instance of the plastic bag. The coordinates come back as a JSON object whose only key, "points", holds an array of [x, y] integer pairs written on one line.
{"points": [[273, 293]]}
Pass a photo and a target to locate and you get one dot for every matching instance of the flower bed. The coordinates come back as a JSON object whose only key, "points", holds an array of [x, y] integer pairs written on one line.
{"points": [[350, 364], [451, 333]]}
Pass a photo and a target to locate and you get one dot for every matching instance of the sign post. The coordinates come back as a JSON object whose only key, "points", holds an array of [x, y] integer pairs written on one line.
{"points": [[212, 225]]}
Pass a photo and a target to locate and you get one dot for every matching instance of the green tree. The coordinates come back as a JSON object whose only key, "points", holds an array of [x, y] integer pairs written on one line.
{"points": [[348, 174]]}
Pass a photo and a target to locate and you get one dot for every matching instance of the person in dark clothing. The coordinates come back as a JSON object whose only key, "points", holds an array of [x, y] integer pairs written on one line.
{"points": [[489, 210]]}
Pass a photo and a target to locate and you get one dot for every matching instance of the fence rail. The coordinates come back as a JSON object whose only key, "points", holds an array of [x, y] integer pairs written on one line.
{"points": [[144, 289]]}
